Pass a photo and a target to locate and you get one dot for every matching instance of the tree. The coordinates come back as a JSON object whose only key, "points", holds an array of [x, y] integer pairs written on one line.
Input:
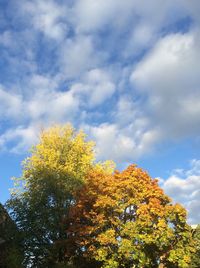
{"points": [[125, 219], [11, 255], [72, 212], [196, 256], [42, 197]]}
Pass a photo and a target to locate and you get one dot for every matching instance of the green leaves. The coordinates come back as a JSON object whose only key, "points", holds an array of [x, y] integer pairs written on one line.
{"points": [[40, 204], [196, 255], [73, 212]]}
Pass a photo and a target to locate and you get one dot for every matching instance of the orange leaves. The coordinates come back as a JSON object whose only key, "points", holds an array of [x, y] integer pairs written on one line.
{"points": [[107, 238], [126, 217]]}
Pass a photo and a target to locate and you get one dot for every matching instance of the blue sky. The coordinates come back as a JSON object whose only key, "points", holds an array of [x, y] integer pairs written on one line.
{"points": [[127, 72]]}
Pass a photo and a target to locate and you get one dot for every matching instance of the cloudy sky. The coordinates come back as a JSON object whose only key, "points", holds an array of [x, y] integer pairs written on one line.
{"points": [[127, 72]]}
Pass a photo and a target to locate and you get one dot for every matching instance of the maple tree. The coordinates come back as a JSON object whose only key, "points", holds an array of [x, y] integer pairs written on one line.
{"points": [[125, 219]]}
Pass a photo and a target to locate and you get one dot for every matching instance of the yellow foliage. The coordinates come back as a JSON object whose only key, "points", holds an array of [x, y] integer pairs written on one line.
{"points": [[61, 152]]}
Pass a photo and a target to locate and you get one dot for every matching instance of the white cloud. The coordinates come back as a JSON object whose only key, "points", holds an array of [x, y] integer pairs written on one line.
{"points": [[184, 187], [78, 55], [46, 103], [141, 37], [95, 88], [93, 15], [47, 17], [40, 111], [39, 82], [41, 104], [128, 111], [122, 144], [169, 75], [139, 19], [10, 104], [98, 43], [63, 106], [52, 107], [23, 137], [39, 99]]}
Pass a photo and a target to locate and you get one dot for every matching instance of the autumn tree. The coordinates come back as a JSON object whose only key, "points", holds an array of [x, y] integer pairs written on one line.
{"points": [[196, 256], [72, 212], [125, 220], [42, 197]]}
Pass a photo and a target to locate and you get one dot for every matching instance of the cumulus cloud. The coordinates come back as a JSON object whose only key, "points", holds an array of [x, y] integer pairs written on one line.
{"points": [[47, 17], [78, 55], [23, 137], [128, 111], [122, 145], [72, 62], [95, 88], [54, 107], [184, 187], [169, 76], [94, 15], [47, 103], [41, 105]]}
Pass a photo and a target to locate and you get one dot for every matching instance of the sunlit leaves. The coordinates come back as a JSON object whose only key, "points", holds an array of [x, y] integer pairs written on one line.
{"points": [[40, 205], [74, 211], [125, 218]]}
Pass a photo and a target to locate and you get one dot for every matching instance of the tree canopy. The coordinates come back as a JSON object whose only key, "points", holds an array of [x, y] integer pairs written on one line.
{"points": [[74, 212], [125, 219], [43, 195]]}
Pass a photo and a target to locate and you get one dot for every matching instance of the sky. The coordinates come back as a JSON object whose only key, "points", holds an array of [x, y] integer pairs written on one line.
{"points": [[126, 72]]}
